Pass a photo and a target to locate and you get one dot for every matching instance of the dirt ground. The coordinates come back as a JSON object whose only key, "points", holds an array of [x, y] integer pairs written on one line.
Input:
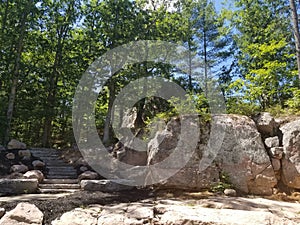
{"points": [[55, 208]]}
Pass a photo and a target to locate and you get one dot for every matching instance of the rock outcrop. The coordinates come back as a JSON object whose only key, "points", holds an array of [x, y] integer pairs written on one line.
{"points": [[231, 145]]}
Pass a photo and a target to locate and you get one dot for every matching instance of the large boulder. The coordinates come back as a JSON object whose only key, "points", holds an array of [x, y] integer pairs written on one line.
{"points": [[34, 174], [291, 157], [18, 186], [24, 153], [23, 214], [15, 144], [243, 156], [229, 145]]}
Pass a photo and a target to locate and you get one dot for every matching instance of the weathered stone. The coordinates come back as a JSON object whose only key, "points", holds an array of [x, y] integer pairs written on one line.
{"points": [[78, 216], [23, 214], [19, 169], [15, 144], [266, 124], [2, 212], [10, 156], [88, 175], [276, 164], [277, 152], [291, 158], [18, 186], [34, 174], [24, 153], [38, 164], [230, 192], [103, 185], [272, 142], [83, 169]]}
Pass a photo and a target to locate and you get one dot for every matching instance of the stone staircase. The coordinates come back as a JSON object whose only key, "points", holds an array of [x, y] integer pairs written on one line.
{"points": [[61, 176]]}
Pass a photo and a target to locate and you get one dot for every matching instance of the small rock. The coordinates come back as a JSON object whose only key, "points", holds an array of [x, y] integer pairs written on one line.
{"points": [[83, 168], [34, 174], [277, 152], [24, 153], [2, 148], [276, 164], [24, 214], [88, 175], [2, 212], [230, 192], [15, 144], [38, 164], [10, 156], [19, 169], [272, 142]]}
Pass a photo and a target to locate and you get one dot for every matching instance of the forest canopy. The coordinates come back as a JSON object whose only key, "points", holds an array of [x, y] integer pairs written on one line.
{"points": [[252, 52]]}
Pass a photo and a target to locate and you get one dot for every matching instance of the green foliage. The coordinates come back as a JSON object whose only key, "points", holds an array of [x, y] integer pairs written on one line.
{"points": [[223, 184]]}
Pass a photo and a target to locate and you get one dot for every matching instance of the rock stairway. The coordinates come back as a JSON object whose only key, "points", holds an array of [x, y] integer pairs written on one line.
{"points": [[57, 168], [59, 185], [61, 176]]}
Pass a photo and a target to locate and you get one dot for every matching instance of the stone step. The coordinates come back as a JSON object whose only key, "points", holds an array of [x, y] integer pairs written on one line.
{"points": [[56, 191], [61, 176], [61, 168], [59, 186], [60, 181]]}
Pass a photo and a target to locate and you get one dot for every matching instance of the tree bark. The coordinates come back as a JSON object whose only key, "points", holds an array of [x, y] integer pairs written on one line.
{"points": [[15, 79], [296, 33]]}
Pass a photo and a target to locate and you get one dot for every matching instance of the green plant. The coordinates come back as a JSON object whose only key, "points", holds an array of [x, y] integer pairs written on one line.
{"points": [[223, 184]]}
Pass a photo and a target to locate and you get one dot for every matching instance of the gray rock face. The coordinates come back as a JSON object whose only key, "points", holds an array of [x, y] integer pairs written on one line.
{"points": [[18, 186], [103, 185], [291, 158], [243, 156], [23, 214], [234, 147], [15, 144]]}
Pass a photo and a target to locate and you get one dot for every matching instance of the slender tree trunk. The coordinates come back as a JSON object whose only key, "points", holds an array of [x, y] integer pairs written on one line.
{"points": [[107, 125], [296, 32], [190, 67], [205, 64], [51, 98], [16, 73]]}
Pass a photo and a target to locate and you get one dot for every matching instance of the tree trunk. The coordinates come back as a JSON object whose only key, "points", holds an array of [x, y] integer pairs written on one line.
{"points": [[16, 73], [296, 32], [108, 119]]}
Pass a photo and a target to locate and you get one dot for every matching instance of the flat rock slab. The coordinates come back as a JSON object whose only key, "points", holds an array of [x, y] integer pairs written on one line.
{"points": [[218, 210], [18, 186]]}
